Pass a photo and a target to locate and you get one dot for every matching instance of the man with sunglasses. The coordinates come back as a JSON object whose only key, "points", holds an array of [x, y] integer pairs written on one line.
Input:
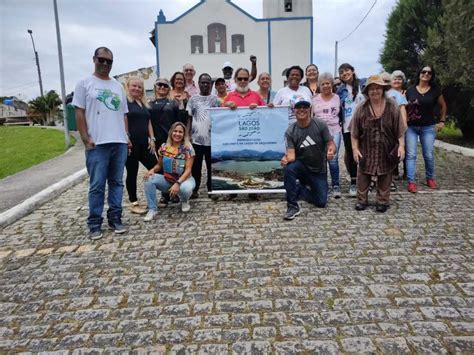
{"points": [[101, 115]]}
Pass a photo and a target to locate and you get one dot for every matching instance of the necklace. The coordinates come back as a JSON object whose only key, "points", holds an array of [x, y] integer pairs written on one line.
{"points": [[380, 108], [423, 90]]}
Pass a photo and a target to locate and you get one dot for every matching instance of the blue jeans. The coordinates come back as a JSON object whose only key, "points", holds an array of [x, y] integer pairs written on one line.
{"points": [[318, 195], [159, 182], [427, 136], [334, 163], [105, 163]]}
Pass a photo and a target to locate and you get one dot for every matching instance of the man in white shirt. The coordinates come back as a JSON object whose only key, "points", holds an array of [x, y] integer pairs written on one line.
{"points": [[101, 115]]}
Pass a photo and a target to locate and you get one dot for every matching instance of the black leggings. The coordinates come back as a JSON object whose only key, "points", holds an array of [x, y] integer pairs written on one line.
{"points": [[351, 165], [202, 151], [139, 154]]}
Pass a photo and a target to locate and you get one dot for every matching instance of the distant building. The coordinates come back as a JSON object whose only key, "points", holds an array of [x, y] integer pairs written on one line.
{"points": [[14, 108], [215, 31], [147, 74]]}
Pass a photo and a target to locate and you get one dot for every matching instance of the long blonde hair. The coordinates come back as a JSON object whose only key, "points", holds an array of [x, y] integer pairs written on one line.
{"points": [[142, 99], [186, 141]]}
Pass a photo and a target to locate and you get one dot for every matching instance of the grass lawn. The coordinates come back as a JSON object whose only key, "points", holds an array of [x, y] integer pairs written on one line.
{"points": [[23, 147], [452, 134]]}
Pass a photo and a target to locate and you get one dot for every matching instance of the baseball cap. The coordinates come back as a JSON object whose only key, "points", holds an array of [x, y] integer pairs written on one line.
{"points": [[227, 65], [302, 103]]}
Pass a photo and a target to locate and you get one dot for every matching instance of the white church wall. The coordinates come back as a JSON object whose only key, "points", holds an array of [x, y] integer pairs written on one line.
{"points": [[173, 54]]}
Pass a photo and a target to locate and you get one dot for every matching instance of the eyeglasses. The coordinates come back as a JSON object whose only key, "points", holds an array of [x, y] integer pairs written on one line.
{"points": [[243, 79], [186, 70], [161, 85], [427, 72], [104, 60]]}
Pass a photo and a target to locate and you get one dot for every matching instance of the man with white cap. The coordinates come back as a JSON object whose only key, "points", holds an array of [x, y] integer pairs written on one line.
{"points": [[227, 71], [308, 145]]}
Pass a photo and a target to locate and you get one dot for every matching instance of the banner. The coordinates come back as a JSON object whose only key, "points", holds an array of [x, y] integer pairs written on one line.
{"points": [[246, 149]]}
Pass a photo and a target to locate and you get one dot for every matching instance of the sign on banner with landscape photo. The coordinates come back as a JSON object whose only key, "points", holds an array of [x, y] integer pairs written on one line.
{"points": [[246, 149]]}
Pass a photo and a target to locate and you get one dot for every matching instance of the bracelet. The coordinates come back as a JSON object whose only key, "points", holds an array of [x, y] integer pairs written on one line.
{"points": [[178, 182], [152, 139]]}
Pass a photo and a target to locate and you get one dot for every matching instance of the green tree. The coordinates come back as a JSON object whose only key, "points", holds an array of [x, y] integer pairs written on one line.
{"points": [[46, 107], [406, 34], [450, 48]]}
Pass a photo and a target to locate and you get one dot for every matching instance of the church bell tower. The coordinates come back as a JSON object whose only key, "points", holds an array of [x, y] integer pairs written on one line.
{"points": [[287, 8]]}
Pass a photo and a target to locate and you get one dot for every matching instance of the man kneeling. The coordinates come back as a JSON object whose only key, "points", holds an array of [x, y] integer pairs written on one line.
{"points": [[307, 141]]}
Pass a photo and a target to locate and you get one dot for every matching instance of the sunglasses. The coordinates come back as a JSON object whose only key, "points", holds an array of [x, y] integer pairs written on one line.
{"points": [[160, 85], [104, 60], [243, 79], [428, 72]]}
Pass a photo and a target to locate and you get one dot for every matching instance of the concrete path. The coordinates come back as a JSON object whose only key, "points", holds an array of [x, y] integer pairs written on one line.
{"points": [[233, 277]]}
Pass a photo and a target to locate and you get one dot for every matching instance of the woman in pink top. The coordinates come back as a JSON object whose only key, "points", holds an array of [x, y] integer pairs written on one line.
{"points": [[326, 106]]}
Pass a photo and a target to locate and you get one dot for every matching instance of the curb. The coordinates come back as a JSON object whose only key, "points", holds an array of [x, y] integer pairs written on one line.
{"points": [[30, 204], [468, 152]]}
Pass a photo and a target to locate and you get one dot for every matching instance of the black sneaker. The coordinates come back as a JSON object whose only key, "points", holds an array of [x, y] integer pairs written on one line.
{"points": [[117, 227], [95, 234], [381, 208], [195, 195], [291, 212], [163, 202]]}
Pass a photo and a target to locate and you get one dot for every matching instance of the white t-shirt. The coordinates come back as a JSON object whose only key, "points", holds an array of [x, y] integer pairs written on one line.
{"points": [[286, 96], [350, 106], [105, 104]]}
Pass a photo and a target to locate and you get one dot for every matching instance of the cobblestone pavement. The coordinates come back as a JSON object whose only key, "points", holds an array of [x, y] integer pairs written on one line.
{"points": [[233, 277]]}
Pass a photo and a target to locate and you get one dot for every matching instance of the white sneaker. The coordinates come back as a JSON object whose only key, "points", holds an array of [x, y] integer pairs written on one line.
{"points": [[150, 216], [353, 191], [185, 206]]}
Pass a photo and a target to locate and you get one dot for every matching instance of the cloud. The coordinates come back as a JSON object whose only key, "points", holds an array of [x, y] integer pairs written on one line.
{"points": [[124, 26]]}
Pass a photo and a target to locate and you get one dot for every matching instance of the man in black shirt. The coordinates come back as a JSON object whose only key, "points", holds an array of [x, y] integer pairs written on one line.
{"points": [[308, 145]]}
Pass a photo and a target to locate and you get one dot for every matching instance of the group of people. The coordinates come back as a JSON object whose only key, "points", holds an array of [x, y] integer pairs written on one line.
{"points": [[171, 134]]}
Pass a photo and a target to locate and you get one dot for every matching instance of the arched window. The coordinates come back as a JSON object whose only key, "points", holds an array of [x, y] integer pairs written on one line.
{"points": [[216, 38], [196, 44], [238, 44]]}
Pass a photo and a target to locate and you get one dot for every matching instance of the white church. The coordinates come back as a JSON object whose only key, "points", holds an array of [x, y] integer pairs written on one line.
{"points": [[216, 31]]}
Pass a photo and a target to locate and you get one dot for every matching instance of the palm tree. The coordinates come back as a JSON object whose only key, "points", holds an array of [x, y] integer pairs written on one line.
{"points": [[46, 106]]}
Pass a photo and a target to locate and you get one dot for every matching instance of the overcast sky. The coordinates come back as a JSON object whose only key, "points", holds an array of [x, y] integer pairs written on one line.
{"points": [[124, 26]]}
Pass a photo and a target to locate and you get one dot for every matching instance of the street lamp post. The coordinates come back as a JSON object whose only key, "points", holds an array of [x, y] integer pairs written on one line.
{"points": [[37, 62]]}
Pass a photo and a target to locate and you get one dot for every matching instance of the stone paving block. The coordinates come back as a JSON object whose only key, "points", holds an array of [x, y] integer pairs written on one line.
{"points": [[321, 347], [76, 340], [138, 338], [358, 345], [429, 328], [413, 301], [360, 330], [252, 347], [207, 335], [467, 288], [66, 249], [264, 333], [466, 313], [126, 326], [33, 331], [91, 314], [451, 301], [392, 346], [304, 319], [440, 312], [393, 329], [426, 345], [23, 253], [106, 340], [404, 314], [460, 344], [233, 335], [181, 349], [86, 248], [463, 327], [205, 349], [297, 332], [45, 251], [334, 318], [172, 336]]}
